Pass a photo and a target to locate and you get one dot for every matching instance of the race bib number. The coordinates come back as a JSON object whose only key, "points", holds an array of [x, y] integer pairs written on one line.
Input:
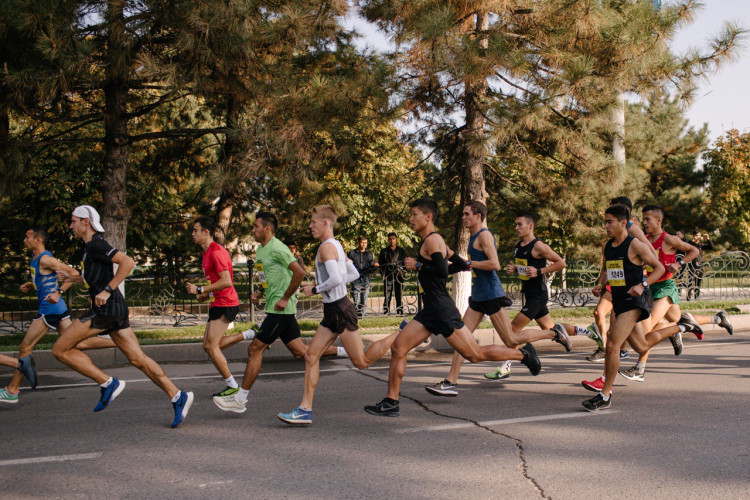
{"points": [[522, 266], [615, 273], [261, 274], [33, 276]]}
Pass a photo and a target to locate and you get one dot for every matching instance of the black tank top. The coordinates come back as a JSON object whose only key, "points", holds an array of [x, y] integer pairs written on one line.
{"points": [[434, 293], [523, 258], [622, 274]]}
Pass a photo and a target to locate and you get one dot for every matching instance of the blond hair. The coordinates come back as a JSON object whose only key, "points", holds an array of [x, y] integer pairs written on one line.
{"points": [[325, 212]]}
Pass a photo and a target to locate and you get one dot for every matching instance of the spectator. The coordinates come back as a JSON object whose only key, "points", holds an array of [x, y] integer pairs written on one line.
{"points": [[695, 267], [365, 264], [293, 247], [391, 263]]}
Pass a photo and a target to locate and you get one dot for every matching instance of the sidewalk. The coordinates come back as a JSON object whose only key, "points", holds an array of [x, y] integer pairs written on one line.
{"points": [[194, 353]]}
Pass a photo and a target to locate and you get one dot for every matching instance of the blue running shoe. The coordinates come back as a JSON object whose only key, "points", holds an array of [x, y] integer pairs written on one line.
{"points": [[27, 366], [182, 407], [296, 416], [108, 394]]}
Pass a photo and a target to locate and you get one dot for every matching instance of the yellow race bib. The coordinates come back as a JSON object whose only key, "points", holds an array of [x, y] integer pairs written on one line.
{"points": [[615, 273], [261, 274], [83, 275], [522, 268], [33, 276]]}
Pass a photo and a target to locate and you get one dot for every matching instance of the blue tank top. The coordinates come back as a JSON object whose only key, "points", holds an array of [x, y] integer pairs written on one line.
{"points": [[486, 285], [45, 284]]}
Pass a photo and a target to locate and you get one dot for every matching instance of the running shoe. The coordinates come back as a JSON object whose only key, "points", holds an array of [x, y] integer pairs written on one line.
{"points": [[595, 335], [443, 388], [182, 407], [501, 373], [562, 337], [691, 326], [230, 403], [226, 392], [676, 341], [109, 393], [597, 356], [597, 403], [7, 397], [633, 373], [624, 354], [385, 408], [298, 416], [724, 322], [27, 366], [594, 385], [530, 359]]}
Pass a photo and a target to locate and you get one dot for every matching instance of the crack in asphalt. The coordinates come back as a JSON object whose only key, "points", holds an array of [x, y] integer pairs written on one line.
{"points": [[520, 450]]}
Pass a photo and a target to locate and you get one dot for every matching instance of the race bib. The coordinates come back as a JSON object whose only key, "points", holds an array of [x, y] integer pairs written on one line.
{"points": [[650, 269], [33, 276], [261, 274], [615, 273], [83, 276], [419, 287], [522, 268], [211, 297]]}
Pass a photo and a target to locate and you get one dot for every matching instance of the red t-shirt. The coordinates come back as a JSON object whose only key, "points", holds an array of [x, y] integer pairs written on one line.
{"points": [[215, 260]]}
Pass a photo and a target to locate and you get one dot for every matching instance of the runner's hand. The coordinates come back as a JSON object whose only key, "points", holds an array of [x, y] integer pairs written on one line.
{"points": [[102, 298], [674, 268], [191, 289], [280, 304], [511, 269], [308, 290], [597, 291], [532, 272], [53, 297], [636, 291], [26, 287], [410, 263], [202, 297]]}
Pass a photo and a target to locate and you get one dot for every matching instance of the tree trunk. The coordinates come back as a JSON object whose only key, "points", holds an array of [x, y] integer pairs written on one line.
{"points": [[618, 141], [229, 193], [472, 178]]}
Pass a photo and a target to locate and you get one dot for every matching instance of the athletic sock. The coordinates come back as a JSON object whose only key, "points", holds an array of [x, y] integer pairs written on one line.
{"points": [[506, 365], [231, 382], [581, 331], [304, 409], [640, 366], [176, 397], [715, 320], [341, 352], [682, 328], [605, 398], [242, 395], [248, 334], [107, 383]]}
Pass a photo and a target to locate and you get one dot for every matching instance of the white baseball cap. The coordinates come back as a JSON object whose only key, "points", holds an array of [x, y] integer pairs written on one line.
{"points": [[89, 212]]}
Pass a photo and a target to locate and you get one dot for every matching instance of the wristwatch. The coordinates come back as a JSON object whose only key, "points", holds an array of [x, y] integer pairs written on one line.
{"points": [[681, 261], [108, 289], [644, 282], [200, 289]]}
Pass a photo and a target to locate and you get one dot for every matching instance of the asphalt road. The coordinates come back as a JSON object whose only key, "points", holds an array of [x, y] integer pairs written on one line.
{"points": [[683, 433]]}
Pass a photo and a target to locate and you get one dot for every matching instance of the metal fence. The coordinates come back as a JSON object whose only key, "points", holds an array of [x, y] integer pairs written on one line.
{"points": [[163, 302]]}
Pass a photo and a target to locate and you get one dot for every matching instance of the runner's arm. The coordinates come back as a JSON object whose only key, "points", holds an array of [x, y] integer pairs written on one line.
{"points": [[691, 252], [546, 252], [329, 256], [351, 272], [298, 274], [58, 267], [225, 281]]}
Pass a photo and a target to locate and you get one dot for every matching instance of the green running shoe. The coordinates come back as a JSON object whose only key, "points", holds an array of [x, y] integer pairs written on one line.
{"points": [[228, 391], [6, 397], [595, 335], [500, 374]]}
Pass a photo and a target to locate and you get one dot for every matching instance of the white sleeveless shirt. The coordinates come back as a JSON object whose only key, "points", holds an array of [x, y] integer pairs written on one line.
{"points": [[321, 274]]}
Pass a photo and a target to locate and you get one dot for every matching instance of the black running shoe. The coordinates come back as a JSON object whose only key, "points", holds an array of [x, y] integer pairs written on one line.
{"points": [[442, 388], [530, 359], [724, 322], [384, 409], [27, 366], [691, 326], [676, 340], [562, 337], [597, 403]]}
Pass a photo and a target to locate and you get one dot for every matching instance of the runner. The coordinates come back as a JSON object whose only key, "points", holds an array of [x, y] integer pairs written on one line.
{"points": [[224, 301], [52, 313], [109, 314], [488, 297], [623, 258], [25, 365], [439, 315], [332, 272], [531, 257], [664, 291], [280, 275]]}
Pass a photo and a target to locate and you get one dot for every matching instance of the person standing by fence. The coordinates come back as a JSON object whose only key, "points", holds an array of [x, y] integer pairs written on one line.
{"points": [[365, 264], [391, 262]]}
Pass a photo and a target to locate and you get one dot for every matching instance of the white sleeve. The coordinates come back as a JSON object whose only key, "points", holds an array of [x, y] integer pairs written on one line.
{"points": [[351, 272], [334, 277]]}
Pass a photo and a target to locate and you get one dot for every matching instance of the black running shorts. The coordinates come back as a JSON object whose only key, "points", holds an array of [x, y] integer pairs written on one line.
{"points": [[52, 320], [339, 316], [278, 326], [622, 304], [229, 312], [106, 323], [535, 306], [440, 324], [490, 307]]}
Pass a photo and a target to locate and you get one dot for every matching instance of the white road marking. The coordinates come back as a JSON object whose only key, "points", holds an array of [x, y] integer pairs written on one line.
{"points": [[506, 421], [56, 458]]}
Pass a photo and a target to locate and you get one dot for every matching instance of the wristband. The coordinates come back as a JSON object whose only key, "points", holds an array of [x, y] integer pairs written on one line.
{"points": [[315, 290], [417, 265], [200, 289], [644, 282], [108, 289], [681, 261], [60, 291]]}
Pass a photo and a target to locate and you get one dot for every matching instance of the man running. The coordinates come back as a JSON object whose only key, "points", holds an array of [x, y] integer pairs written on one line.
{"points": [[224, 301], [52, 313], [439, 316], [109, 314], [623, 258], [488, 298], [280, 275], [664, 291], [332, 272], [25, 366], [531, 257]]}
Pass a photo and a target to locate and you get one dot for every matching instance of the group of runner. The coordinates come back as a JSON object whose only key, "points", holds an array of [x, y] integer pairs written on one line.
{"points": [[637, 271]]}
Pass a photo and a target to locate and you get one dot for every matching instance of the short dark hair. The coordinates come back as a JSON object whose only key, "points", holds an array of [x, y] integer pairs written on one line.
{"points": [[268, 219], [41, 233], [477, 207], [392, 234], [361, 237], [207, 223], [622, 200], [620, 212], [528, 216], [427, 205], [291, 244], [654, 208]]}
